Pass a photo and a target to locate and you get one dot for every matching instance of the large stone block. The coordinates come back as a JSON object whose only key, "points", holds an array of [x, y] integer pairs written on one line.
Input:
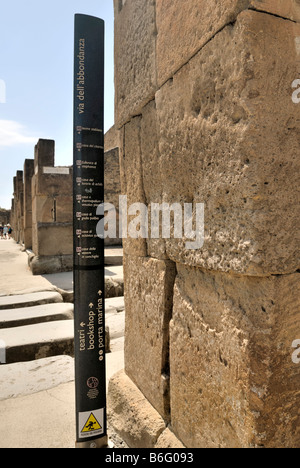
{"points": [[233, 380], [184, 30], [135, 43], [28, 174], [111, 139], [152, 173], [44, 154], [55, 239], [289, 9], [112, 188], [48, 265], [154, 39], [131, 415], [57, 183], [134, 419], [148, 300], [229, 138], [131, 174]]}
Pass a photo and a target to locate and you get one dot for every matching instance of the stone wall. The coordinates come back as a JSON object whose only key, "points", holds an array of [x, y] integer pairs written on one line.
{"points": [[28, 174], [205, 112], [42, 208], [52, 212], [18, 208]]}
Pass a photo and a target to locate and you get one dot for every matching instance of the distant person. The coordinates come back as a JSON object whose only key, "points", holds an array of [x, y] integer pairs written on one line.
{"points": [[9, 231], [1, 231], [5, 232]]}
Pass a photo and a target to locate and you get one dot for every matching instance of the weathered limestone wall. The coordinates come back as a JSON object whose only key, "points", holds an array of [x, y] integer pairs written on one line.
{"points": [[52, 212], [28, 174], [42, 208], [17, 220], [205, 112], [112, 185]]}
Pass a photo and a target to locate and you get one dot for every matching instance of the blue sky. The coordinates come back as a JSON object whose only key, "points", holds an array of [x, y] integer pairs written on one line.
{"points": [[36, 67]]}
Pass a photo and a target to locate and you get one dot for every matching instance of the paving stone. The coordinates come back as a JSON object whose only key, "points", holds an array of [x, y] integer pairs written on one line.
{"points": [[28, 300], [31, 315], [113, 256], [116, 303], [37, 341], [27, 378]]}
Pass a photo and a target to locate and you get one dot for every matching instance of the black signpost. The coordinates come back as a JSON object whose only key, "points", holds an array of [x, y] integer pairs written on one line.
{"points": [[89, 276]]}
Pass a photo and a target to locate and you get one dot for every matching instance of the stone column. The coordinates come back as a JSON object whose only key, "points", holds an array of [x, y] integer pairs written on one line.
{"points": [[205, 111], [19, 207], [112, 188], [12, 216], [13, 221], [28, 174]]}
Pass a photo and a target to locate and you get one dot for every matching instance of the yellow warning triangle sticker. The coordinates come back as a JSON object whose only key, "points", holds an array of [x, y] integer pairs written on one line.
{"points": [[91, 425]]}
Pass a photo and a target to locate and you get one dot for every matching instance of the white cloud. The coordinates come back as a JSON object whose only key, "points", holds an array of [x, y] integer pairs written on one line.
{"points": [[13, 133], [2, 92]]}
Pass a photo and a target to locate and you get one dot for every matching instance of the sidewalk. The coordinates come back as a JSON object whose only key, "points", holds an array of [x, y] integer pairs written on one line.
{"points": [[45, 419], [37, 398], [16, 278]]}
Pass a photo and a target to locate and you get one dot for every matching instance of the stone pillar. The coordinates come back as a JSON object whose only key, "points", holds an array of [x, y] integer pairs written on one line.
{"points": [[19, 212], [112, 184], [44, 154], [28, 174], [12, 215], [205, 111], [52, 213], [112, 189], [14, 210]]}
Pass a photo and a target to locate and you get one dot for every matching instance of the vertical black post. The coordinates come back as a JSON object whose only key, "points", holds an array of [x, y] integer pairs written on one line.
{"points": [[89, 274]]}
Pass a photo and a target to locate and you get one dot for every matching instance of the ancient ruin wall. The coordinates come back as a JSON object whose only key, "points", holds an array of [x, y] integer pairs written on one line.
{"points": [[205, 111], [52, 212], [42, 208]]}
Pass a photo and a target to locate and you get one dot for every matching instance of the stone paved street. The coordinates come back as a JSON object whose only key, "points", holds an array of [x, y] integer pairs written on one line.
{"points": [[37, 386]]}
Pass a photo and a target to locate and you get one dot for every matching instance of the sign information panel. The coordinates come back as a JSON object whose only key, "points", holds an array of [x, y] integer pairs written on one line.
{"points": [[89, 272]]}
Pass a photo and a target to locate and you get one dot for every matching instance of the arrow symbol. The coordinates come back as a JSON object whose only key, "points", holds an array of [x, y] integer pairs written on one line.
{"points": [[91, 305], [100, 293], [82, 324]]}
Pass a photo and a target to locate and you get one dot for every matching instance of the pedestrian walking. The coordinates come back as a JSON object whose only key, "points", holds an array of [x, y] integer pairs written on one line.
{"points": [[9, 231], [5, 232], [1, 231]]}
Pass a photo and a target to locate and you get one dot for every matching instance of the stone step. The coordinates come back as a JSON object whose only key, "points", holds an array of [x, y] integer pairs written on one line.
{"points": [[114, 282], [116, 325], [38, 341], [12, 318], [113, 256], [29, 300], [42, 340], [114, 305]]}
